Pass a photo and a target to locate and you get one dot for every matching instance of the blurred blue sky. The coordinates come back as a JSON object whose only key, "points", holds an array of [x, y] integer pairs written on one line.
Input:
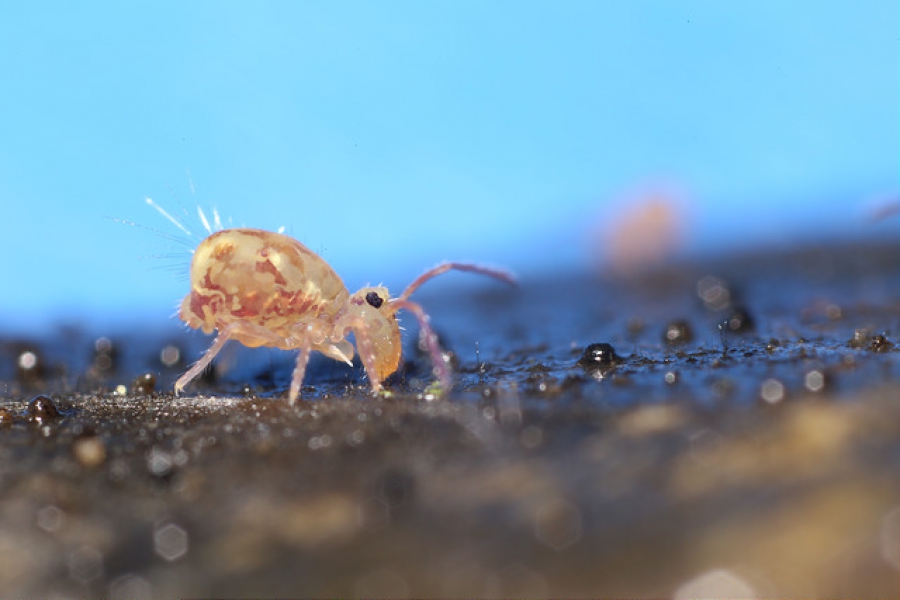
{"points": [[391, 135]]}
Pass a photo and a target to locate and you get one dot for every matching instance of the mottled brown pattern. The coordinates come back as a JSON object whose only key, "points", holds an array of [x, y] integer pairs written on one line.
{"points": [[223, 251], [235, 285], [266, 266]]}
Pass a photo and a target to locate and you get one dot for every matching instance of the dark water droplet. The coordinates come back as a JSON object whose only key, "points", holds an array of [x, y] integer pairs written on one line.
{"points": [[597, 356], [144, 384], [678, 332], [880, 343], [41, 408]]}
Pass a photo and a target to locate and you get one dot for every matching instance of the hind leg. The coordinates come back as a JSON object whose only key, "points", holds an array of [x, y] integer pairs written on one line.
{"points": [[204, 361], [247, 334], [299, 372]]}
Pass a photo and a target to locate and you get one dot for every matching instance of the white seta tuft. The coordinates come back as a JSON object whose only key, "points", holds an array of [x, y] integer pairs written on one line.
{"points": [[170, 218], [204, 220]]}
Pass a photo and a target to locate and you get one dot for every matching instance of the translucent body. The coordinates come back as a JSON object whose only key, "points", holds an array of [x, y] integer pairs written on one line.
{"points": [[267, 289]]}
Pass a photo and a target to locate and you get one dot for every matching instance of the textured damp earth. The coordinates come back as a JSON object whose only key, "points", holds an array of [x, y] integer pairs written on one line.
{"points": [[728, 428]]}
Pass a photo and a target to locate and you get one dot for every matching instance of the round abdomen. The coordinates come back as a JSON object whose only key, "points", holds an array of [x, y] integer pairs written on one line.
{"points": [[264, 278]]}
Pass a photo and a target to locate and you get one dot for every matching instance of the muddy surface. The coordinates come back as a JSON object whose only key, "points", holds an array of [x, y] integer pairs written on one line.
{"points": [[729, 428]]}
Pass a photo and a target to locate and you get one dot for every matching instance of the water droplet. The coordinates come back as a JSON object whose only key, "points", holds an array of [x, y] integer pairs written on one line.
{"points": [[598, 356], [144, 384], [880, 343], [41, 409]]}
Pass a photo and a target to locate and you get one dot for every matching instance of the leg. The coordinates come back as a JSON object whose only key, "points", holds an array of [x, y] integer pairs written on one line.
{"points": [[366, 353], [299, 372], [204, 361], [426, 333]]}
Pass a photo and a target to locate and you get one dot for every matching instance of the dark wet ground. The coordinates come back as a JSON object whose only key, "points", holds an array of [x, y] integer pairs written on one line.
{"points": [[756, 451]]}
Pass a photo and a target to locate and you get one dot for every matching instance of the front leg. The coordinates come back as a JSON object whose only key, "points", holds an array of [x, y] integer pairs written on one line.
{"points": [[366, 350]]}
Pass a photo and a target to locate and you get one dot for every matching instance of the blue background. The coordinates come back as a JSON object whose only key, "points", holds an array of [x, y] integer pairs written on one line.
{"points": [[391, 136]]}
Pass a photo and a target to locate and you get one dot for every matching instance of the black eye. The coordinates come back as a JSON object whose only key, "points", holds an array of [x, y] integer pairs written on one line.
{"points": [[374, 299]]}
